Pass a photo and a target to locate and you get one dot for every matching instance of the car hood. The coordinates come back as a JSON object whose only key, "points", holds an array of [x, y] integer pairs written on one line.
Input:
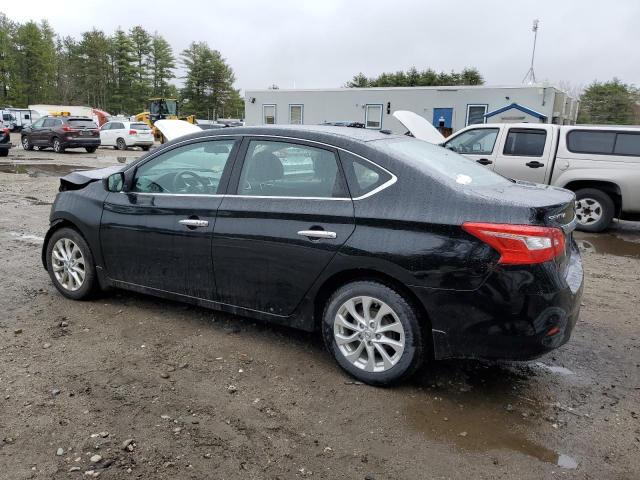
{"points": [[79, 179], [418, 126], [172, 129]]}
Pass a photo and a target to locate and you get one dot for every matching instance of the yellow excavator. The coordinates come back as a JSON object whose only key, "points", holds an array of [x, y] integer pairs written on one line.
{"points": [[162, 109]]}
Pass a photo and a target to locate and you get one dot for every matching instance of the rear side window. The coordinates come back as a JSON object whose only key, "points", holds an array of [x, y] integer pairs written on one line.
{"points": [[49, 122], [603, 142], [81, 123], [525, 142], [479, 141], [627, 144], [363, 177], [591, 141], [282, 169]]}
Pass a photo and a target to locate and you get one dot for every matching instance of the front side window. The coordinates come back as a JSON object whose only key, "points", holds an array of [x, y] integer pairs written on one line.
{"points": [[479, 141], [525, 142], [38, 123], [190, 169], [627, 144], [373, 116], [269, 114], [295, 114], [106, 126], [475, 114], [282, 169]]}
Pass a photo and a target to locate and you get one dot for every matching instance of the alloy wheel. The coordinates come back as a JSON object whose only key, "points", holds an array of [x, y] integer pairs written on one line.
{"points": [[68, 264], [25, 143], [588, 211], [56, 146], [121, 144], [369, 334]]}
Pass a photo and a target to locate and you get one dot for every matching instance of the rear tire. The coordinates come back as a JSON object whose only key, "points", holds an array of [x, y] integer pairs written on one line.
{"points": [[121, 144], [57, 145], [373, 333], [90, 149], [26, 143], [145, 149], [70, 264], [4, 152], [594, 210]]}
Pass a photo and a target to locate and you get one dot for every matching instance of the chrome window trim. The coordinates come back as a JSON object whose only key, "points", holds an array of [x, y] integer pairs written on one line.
{"points": [[379, 188]]}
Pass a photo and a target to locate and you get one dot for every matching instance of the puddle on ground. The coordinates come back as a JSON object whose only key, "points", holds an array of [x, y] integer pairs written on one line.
{"points": [[607, 243], [40, 169], [554, 368], [468, 418]]}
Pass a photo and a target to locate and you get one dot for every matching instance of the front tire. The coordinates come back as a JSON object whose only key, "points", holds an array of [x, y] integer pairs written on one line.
{"points": [[373, 333], [594, 210], [70, 264], [57, 146], [26, 144]]}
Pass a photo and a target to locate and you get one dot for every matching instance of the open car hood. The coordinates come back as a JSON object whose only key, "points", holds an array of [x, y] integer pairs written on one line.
{"points": [[418, 126], [172, 129]]}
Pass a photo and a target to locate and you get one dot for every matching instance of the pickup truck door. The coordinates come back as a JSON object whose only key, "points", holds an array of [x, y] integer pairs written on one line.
{"points": [[478, 144], [526, 153]]}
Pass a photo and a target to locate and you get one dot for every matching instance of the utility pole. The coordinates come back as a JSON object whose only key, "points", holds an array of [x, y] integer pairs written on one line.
{"points": [[530, 77]]}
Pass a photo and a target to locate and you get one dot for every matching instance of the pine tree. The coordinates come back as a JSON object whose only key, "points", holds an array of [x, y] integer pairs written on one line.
{"points": [[142, 45], [162, 66], [124, 74]]}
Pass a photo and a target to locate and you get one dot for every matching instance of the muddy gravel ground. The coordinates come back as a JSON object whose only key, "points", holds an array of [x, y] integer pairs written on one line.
{"points": [[130, 386]]}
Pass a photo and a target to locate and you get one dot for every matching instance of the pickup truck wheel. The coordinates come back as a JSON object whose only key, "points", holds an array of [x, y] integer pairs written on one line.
{"points": [[594, 210]]}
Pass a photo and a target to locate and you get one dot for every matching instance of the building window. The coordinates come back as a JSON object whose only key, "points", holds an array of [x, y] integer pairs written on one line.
{"points": [[475, 114], [296, 114], [373, 116], [269, 114]]}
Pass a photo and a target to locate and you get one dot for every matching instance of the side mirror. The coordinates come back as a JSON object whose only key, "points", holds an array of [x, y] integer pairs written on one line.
{"points": [[114, 182]]}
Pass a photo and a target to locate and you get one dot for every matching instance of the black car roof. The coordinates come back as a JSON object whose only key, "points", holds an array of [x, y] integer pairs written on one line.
{"points": [[303, 132]]}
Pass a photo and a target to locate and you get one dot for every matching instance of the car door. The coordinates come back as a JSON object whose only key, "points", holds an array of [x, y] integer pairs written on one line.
{"points": [[105, 134], [157, 233], [525, 153], [44, 133], [478, 144], [35, 131], [287, 219]]}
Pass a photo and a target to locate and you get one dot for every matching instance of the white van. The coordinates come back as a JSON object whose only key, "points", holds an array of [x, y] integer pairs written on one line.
{"points": [[601, 164]]}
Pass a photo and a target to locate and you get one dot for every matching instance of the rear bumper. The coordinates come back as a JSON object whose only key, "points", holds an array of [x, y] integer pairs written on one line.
{"points": [[81, 142], [140, 143], [517, 314]]}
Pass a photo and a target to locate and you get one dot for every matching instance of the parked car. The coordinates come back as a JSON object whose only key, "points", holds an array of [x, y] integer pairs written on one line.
{"points": [[122, 135], [601, 164], [5, 140], [60, 133], [395, 250]]}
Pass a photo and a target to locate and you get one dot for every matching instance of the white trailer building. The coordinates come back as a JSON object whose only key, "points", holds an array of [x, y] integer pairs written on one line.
{"points": [[451, 108]]}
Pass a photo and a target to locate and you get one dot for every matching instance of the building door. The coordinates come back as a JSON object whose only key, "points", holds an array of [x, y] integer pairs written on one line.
{"points": [[443, 120]]}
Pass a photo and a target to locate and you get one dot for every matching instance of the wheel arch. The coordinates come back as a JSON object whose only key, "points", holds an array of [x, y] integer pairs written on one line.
{"points": [[55, 226], [337, 280], [610, 188]]}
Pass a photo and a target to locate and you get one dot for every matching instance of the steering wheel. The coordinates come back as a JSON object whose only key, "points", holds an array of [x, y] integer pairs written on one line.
{"points": [[189, 181]]}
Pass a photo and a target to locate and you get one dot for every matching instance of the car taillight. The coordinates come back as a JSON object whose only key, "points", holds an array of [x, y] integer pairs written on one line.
{"points": [[69, 129], [519, 244], [5, 130], [133, 132]]}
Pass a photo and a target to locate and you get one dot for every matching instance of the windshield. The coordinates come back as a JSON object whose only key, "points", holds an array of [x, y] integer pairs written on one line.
{"points": [[163, 107], [445, 163], [479, 141], [81, 123]]}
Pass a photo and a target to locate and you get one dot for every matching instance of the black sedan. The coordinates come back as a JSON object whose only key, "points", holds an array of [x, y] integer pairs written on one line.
{"points": [[394, 249]]}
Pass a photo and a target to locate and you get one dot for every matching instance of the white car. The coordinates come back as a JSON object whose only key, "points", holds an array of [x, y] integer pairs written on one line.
{"points": [[123, 135]]}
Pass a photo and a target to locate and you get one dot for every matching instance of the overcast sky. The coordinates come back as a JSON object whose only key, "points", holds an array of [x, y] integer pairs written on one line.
{"points": [[323, 43]]}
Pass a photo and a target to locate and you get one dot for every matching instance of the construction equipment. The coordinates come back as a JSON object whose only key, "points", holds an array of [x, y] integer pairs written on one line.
{"points": [[162, 109]]}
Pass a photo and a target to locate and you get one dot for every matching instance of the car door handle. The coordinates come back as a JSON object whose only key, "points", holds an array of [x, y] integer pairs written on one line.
{"points": [[317, 234], [484, 161], [194, 223], [534, 164]]}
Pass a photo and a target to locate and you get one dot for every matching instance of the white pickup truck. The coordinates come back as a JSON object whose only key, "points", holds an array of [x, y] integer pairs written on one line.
{"points": [[601, 164]]}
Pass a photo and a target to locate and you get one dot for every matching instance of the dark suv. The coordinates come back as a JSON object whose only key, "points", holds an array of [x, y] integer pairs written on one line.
{"points": [[61, 133]]}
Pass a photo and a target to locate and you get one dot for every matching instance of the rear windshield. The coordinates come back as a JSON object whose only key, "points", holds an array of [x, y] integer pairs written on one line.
{"points": [[140, 126], [438, 160], [81, 123]]}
